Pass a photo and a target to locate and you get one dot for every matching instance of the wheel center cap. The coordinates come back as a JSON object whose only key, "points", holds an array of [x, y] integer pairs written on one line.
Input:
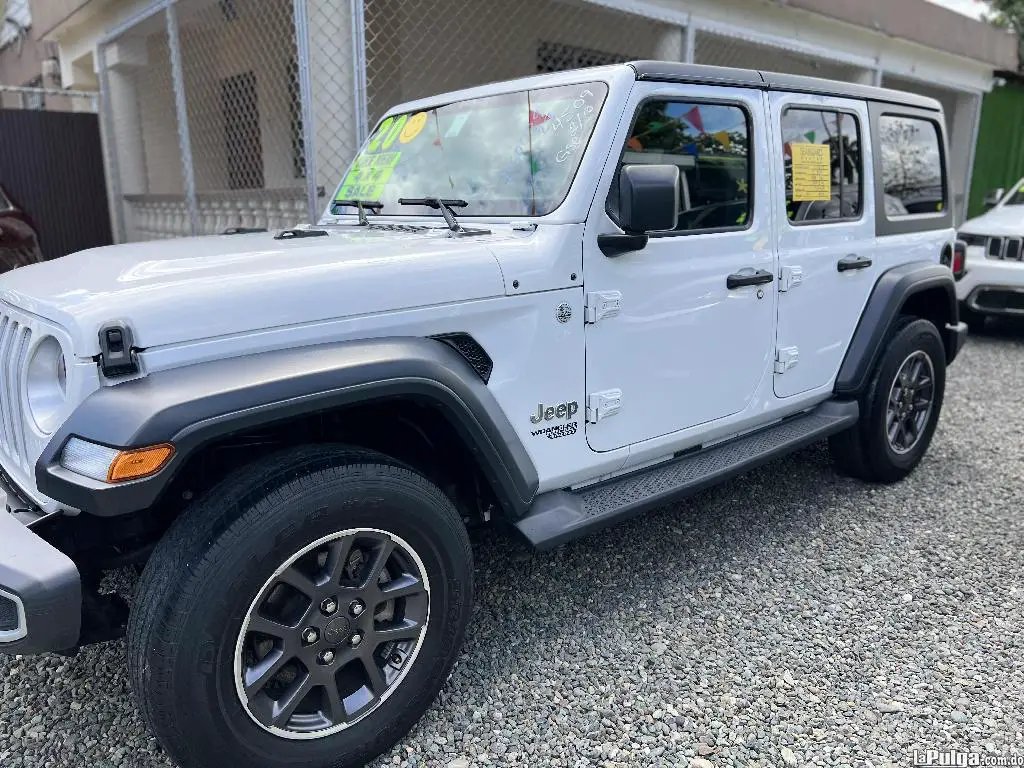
{"points": [[339, 631]]}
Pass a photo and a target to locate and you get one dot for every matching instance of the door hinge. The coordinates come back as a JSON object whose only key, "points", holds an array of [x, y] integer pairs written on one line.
{"points": [[790, 277], [601, 304], [600, 405], [786, 358], [117, 351]]}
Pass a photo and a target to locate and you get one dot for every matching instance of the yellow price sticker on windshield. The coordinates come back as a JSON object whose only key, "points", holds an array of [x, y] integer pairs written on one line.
{"points": [[812, 172], [413, 127], [369, 174]]}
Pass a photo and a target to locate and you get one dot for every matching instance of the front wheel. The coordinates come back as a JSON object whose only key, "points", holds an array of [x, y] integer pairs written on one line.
{"points": [[304, 612], [900, 409]]}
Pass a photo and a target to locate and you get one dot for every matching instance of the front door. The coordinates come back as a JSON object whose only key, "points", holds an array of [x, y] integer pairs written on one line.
{"points": [[691, 335], [826, 234]]}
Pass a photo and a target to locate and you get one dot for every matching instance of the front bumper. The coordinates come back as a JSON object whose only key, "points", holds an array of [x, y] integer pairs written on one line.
{"points": [[992, 286], [40, 591]]}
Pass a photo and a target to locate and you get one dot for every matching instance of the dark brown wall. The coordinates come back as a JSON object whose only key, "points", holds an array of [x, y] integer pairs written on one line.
{"points": [[52, 165]]}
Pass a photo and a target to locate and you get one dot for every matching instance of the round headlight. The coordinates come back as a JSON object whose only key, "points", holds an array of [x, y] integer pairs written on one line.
{"points": [[47, 384]]}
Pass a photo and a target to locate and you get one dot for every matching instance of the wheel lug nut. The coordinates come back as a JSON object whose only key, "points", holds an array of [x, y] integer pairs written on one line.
{"points": [[396, 659], [326, 657], [310, 635], [357, 638], [356, 607], [329, 606]]}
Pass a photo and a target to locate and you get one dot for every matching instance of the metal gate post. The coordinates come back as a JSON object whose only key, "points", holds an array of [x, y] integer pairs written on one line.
{"points": [[690, 42], [110, 146], [359, 69], [181, 107], [306, 97]]}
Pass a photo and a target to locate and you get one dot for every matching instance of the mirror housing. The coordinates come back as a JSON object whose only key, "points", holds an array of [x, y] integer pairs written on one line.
{"points": [[648, 198], [993, 197]]}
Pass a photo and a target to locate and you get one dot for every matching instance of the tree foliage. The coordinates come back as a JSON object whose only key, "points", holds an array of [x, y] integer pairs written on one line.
{"points": [[1008, 14]]}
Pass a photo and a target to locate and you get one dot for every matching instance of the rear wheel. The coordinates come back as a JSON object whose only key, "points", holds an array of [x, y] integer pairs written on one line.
{"points": [[305, 612], [900, 409]]}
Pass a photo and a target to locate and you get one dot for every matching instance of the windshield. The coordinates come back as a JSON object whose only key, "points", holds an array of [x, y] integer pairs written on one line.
{"points": [[513, 154], [1017, 198]]}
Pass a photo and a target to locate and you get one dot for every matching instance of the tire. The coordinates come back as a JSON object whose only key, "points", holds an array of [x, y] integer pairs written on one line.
{"points": [[865, 450], [216, 572], [975, 320]]}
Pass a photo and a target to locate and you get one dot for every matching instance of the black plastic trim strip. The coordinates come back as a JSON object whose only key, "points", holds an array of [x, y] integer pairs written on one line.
{"points": [[675, 72], [560, 516], [196, 404]]}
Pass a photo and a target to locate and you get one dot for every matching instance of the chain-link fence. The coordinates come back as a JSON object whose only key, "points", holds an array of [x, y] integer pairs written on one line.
{"points": [[244, 113]]}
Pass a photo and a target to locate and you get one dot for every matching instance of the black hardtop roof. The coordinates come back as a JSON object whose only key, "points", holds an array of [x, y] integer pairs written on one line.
{"points": [[676, 72]]}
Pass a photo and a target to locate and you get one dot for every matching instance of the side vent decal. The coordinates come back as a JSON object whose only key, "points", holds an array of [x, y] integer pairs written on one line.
{"points": [[470, 349]]}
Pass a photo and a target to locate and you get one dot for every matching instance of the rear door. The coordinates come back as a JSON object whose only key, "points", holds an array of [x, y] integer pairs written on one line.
{"points": [[824, 205]]}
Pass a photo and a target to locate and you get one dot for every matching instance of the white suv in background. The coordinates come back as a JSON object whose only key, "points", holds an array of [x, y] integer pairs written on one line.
{"points": [[994, 280]]}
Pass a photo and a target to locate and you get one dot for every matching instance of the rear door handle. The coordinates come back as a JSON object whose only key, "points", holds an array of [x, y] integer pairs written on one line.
{"points": [[853, 262], [743, 279]]}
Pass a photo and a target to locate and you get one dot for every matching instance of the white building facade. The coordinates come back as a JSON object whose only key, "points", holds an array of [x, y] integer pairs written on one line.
{"points": [[244, 113]]}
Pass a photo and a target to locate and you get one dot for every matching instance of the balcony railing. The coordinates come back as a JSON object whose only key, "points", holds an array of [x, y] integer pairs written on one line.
{"points": [[152, 217]]}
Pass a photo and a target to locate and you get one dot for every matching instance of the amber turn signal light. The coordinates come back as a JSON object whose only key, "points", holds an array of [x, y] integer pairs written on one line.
{"points": [[141, 462]]}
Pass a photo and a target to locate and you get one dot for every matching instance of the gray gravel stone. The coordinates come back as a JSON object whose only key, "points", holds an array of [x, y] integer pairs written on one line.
{"points": [[762, 619]]}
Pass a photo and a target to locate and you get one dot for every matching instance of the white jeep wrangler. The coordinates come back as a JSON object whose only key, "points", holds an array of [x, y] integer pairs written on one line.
{"points": [[551, 303]]}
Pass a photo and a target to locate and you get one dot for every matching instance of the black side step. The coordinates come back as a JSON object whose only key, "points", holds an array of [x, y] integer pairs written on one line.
{"points": [[559, 516]]}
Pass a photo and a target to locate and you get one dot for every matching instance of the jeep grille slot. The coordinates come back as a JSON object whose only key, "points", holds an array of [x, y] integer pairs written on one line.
{"points": [[14, 344]]}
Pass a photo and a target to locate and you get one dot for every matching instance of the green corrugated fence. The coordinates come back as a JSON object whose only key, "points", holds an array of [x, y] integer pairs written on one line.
{"points": [[999, 156]]}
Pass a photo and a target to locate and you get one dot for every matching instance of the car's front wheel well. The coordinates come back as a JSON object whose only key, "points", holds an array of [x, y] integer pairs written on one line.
{"points": [[414, 432]]}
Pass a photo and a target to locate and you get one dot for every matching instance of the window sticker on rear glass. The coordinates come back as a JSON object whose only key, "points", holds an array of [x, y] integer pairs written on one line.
{"points": [[812, 172]]}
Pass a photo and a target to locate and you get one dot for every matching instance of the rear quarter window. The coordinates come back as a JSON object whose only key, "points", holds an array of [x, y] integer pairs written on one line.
{"points": [[913, 176]]}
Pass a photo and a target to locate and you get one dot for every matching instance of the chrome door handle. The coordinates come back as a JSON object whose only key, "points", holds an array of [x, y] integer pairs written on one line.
{"points": [[853, 261]]}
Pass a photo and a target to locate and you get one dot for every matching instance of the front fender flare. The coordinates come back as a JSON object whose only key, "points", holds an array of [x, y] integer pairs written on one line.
{"points": [[194, 405]]}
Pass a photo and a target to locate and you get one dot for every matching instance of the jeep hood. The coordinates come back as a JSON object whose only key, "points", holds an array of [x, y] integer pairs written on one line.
{"points": [[172, 291], [1002, 221]]}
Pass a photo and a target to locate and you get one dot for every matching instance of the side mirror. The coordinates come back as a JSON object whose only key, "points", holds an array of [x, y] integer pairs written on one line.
{"points": [[993, 197], [649, 198]]}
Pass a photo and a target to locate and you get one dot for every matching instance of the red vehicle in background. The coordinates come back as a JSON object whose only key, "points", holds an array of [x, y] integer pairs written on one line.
{"points": [[19, 242]]}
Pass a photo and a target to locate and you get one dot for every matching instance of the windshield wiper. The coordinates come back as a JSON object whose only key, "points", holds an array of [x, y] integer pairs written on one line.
{"points": [[445, 205], [360, 205]]}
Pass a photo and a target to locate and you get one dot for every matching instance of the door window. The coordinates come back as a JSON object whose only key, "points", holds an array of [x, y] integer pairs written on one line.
{"points": [[912, 172], [822, 160], [710, 144]]}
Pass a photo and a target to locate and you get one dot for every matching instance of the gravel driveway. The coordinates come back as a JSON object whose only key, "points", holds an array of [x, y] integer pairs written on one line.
{"points": [[789, 617]]}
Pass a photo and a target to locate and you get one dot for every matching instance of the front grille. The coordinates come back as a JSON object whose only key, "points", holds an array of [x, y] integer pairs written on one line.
{"points": [[995, 248], [1012, 249], [14, 342]]}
